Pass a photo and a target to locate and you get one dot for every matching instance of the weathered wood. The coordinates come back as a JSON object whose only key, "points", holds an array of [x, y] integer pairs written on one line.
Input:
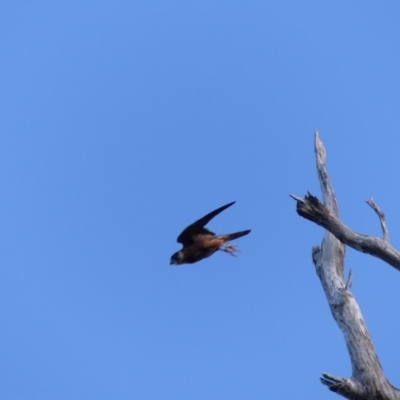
{"points": [[367, 381], [311, 209], [381, 216]]}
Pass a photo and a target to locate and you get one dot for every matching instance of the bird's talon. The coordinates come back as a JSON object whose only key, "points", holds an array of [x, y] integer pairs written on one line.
{"points": [[230, 249]]}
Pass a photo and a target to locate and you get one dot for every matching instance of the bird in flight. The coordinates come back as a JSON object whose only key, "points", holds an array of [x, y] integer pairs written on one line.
{"points": [[198, 242]]}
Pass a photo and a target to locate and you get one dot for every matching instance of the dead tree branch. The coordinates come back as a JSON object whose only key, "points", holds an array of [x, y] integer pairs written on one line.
{"points": [[310, 208], [381, 216], [367, 381]]}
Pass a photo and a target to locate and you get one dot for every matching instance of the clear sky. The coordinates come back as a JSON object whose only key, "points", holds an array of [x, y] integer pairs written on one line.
{"points": [[124, 121]]}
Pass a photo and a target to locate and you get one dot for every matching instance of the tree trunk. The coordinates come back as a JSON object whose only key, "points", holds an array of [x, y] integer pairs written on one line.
{"points": [[367, 381]]}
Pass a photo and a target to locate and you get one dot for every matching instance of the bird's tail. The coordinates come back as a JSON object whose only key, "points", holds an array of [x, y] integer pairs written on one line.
{"points": [[236, 235]]}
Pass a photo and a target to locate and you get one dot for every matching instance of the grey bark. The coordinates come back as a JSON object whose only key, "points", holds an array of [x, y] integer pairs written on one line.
{"points": [[367, 381]]}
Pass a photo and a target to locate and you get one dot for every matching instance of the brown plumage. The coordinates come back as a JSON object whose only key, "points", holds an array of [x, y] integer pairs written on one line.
{"points": [[198, 242]]}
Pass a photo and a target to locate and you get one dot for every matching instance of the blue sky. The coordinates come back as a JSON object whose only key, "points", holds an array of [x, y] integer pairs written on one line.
{"points": [[123, 122]]}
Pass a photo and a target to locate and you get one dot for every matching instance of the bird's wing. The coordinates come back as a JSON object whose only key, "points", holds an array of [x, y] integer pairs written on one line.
{"points": [[186, 237]]}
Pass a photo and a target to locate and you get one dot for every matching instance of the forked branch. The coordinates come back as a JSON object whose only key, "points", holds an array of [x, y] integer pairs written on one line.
{"points": [[312, 209]]}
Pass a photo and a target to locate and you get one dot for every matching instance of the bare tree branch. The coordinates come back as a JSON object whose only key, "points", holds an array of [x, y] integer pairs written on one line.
{"points": [[311, 209], [381, 216], [367, 381], [349, 280]]}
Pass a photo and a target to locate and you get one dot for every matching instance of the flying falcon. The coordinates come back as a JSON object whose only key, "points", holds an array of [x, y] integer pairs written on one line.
{"points": [[198, 242]]}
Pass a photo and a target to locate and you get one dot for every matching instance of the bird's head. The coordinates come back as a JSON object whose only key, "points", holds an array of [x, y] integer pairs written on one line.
{"points": [[177, 258]]}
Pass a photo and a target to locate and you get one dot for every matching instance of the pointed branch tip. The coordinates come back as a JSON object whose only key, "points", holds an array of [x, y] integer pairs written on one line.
{"points": [[381, 216], [349, 280], [296, 198]]}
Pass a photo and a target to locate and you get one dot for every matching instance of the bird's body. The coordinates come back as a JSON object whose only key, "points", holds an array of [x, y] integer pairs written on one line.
{"points": [[198, 242]]}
